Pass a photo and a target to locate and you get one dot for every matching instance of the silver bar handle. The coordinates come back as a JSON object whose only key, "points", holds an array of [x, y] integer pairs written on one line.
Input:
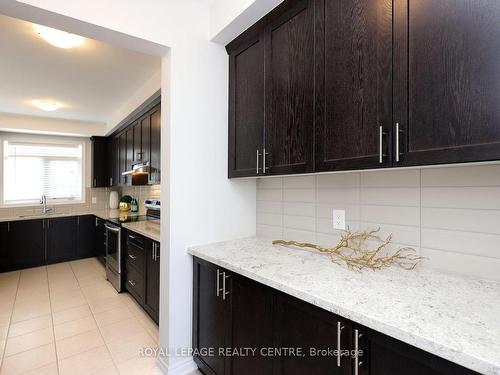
{"points": [[357, 362], [131, 282], [381, 144], [264, 162], [95, 182], [115, 230], [132, 256], [340, 327], [224, 293], [218, 283], [258, 159], [398, 153], [157, 247]]}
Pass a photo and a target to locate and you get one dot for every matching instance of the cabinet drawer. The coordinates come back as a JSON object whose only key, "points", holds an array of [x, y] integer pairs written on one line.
{"points": [[135, 256], [135, 283], [135, 239]]}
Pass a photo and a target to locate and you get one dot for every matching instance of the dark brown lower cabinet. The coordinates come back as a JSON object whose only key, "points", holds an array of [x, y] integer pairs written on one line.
{"points": [[100, 240], [232, 313], [4, 228], [86, 236], [142, 278], [25, 244], [62, 235], [313, 331]]}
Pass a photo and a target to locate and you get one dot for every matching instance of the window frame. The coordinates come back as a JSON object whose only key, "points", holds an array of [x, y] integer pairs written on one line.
{"points": [[14, 137]]}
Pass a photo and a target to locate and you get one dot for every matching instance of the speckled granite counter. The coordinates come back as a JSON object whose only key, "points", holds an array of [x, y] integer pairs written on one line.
{"points": [[150, 228], [455, 318]]}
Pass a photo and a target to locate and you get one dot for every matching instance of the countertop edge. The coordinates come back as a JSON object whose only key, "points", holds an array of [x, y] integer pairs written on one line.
{"points": [[131, 227], [463, 359]]}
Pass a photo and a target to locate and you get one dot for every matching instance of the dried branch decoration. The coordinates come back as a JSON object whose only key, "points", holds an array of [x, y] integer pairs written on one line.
{"points": [[353, 251]]}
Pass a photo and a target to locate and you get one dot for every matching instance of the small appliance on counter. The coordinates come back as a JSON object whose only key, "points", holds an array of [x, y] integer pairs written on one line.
{"points": [[115, 262]]}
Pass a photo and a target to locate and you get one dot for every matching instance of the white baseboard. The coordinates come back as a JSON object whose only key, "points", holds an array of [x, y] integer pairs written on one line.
{"points": [[184, 367]]}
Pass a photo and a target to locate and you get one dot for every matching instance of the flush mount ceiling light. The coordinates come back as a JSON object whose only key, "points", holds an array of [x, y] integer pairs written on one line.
{"points": [[47, 105], [59, 38]]}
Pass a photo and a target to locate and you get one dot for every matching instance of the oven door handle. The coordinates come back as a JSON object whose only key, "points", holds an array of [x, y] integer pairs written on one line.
{"points": [[112, 229]]}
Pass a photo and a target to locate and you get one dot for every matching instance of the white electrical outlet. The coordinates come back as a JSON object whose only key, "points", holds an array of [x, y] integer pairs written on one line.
{"points": [[339, 219], [94, 200]]}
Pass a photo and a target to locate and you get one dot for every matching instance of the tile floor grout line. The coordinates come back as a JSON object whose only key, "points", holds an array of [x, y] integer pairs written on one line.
{"points": [[10, 321], [98, 328], [53, 325]]}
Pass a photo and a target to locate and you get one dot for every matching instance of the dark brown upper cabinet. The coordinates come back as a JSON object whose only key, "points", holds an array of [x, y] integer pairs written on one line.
{"points": [[100, 162], [155, 145], [271, 89], [353, 84], [447, 96], [360, 84], [246, 103], [289, 88]]}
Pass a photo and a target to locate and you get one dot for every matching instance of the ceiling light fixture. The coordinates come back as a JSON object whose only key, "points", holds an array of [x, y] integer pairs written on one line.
{"points": [[59, 38], [47, 105]]}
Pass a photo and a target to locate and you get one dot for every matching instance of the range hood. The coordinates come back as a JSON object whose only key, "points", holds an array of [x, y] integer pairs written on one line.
{"points": [[139, 173]]}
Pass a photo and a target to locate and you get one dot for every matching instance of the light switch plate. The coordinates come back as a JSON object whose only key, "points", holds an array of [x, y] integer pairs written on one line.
{"points": [[339, 219]]}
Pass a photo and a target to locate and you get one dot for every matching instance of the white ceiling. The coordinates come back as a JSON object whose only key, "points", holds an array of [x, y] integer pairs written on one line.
{"points": [[92, 81]]}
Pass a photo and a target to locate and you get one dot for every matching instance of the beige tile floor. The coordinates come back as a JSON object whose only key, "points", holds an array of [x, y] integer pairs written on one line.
{"points": [[67, 319]]}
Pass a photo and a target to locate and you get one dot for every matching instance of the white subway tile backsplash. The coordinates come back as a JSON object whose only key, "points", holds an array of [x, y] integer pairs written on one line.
{"points": [[464, 264], [298, 182], [391, 196], [299, 222], [299, 208], [338, 195], [477, 175], [462, 197], [270, 207], [482, 221], [269, 194], [338, 180], [479, 244], [298, 195], [399, 215], [394, 178], [270, 183], [299, 235], [449, 214], [268, 231], [269, 219]]}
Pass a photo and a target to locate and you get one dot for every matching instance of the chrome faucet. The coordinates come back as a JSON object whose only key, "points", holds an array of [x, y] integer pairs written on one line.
{"points": [[45, 209]]}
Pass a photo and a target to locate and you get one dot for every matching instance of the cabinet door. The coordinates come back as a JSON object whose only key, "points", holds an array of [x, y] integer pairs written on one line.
{"points": [[62, 235], [353, 84], [155, 145], [100, 158], [100, 240], [246, 103], [289, 89], [152, 303], [382, 355], [447, 92], [4, 243], [114, 161], [130, 147], [210, 316], [145, 139], [26, 246], [86, 236], [251, 326], [123, 157], [298, 324]]}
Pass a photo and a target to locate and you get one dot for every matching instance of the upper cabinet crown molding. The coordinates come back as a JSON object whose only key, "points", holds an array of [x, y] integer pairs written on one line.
{"points": [[319, 85]]}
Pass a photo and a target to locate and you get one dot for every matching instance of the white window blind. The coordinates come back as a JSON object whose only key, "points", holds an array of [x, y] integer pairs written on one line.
{"points": [[32, 170]]}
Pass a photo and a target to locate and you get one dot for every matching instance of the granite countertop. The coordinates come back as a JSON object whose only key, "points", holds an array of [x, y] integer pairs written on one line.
{"points": [[453, 317], [103, 214], [149, 228]]}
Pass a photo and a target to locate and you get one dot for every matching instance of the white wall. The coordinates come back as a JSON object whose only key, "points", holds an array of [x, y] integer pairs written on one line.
{"points": [[449, 214], [199, 203], [228, 18], [42, 125]]}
